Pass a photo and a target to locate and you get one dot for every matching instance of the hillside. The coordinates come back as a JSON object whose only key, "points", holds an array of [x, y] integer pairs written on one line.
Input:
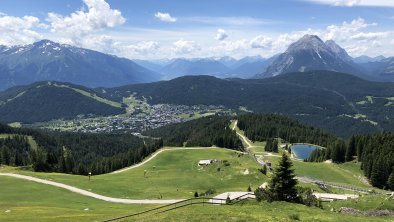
{"points": [[206, 132], [45, 101], [47, 60], [339, 103], [333, 101]]}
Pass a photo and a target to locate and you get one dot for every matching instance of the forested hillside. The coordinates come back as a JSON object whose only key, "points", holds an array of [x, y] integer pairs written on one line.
{"points": [[205, 132], [45, 101], [75, 153], [375, 152], [262, 127], [340, 103]]}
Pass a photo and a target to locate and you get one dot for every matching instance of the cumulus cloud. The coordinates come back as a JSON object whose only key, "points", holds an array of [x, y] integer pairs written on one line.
{"points": [[81, 23], [261, 41], [144, 47], [345, 30], [165, 17], [19, 30], [185, 47], [103, 43], [221, 35]]}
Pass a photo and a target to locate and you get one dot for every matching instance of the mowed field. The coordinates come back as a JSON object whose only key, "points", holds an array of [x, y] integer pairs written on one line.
{"points": [[172, 174], [28, 201]]}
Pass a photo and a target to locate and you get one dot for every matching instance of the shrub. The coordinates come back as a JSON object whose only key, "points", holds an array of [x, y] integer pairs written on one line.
{"points": [[294, 217]]}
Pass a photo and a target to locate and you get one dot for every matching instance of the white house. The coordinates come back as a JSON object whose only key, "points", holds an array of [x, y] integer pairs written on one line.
{"points": [[205, 162]]}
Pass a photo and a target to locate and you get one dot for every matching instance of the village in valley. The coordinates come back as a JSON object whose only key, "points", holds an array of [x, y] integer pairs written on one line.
{"points": [[136, 120]]}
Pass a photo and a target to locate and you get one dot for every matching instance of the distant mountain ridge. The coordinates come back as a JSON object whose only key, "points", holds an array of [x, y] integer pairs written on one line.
{"points": [[221, 67], [47, 60], [311, 53]]}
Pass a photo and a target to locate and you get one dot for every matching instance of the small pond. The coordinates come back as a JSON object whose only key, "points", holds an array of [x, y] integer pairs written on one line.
{"points": [[303, 151]]}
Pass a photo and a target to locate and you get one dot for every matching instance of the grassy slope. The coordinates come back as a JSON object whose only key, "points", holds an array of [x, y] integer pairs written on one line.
{"points": [[30, 140], [348, 173], [172, 174], [93, 96], [28, 202], [172, 169]]}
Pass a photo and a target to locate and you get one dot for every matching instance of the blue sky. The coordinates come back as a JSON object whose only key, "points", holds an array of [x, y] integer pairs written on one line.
{"points": [[154, 29]]}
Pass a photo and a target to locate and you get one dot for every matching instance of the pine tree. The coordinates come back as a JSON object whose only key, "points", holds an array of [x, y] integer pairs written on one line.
{"points": [[268, 145], [376, 174], [283, 183], [275, 146], [351, 149], [6, 156], [390, 181]]}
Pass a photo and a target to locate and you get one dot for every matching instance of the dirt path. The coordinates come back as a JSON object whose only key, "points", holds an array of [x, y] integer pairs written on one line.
{"points": [[235, 124], [88, 193], [105, 198]]}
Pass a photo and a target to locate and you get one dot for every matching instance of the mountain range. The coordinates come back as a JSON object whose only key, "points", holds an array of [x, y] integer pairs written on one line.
{"points": [[339, 103], [221, 67], [306, 54], [47, 60]]}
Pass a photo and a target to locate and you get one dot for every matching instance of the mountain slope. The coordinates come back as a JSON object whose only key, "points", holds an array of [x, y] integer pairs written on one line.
{"points": [[334, 101], [340, 103], [45, 101], [311, 53], [46, 60]]}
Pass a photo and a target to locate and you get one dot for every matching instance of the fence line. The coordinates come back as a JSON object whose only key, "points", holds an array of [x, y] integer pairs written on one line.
{"points": [[185, 203]]}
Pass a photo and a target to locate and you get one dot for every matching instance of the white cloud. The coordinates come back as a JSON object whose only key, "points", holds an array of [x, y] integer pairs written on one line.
{"points": [[221, 35], [185, 47], [346, 30], [19, 30], [261, 41], [81, 23], [165, 17], [348, 3], [144, 47], [352, 3], [103, 43], [369, 36]]}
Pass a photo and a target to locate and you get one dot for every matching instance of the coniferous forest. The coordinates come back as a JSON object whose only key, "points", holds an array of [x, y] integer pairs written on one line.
{"points": [[263, 127], [75, 153], [375, 152], [206, 132]]}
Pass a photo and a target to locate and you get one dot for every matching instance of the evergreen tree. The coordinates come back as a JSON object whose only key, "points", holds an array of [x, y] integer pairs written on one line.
{"points": [[351, 149], [283, 182], [275, 148], [6, 155], [390, 181], [377, 174]]}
